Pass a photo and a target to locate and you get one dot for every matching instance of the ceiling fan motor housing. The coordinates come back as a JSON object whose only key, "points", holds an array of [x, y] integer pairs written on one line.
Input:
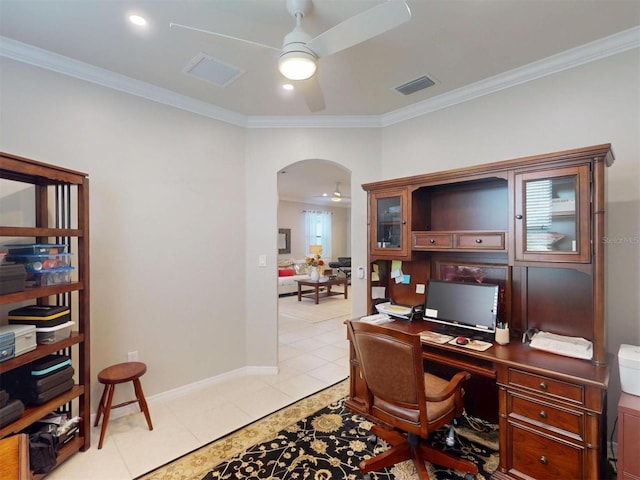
{"points": [[294, 49]]}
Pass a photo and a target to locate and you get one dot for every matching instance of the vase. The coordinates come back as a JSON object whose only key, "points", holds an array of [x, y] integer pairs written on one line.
{"points": [[314, 274]]}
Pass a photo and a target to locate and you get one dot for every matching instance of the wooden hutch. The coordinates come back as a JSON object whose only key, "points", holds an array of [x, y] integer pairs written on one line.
{"points": [[536, 227]]}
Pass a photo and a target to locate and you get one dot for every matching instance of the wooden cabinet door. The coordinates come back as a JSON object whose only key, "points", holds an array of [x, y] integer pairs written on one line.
{"points": [[389, 229], [552, 215]]}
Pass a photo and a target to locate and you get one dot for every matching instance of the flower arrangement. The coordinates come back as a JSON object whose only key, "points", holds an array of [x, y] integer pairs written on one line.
{"points": [[314, 261]]}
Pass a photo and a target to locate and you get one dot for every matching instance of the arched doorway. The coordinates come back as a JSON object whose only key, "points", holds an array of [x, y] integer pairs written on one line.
{"points": [[315, 185]]}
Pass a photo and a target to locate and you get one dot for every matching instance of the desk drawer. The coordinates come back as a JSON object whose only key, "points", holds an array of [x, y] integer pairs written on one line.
{"points": [[480, 241], [547, 386], [428, 240], [538, 456], [547, 416]]}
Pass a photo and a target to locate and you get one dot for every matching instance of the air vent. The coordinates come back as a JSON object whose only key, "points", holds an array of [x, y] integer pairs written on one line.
{"points": [[416, 85], [207, 68]]}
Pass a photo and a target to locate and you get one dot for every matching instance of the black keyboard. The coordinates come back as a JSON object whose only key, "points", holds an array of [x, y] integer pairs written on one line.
{"points": [[464, 332]]}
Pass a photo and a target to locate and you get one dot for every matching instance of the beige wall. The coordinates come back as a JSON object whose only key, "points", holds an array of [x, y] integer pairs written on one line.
{"points": [[167, 236]]}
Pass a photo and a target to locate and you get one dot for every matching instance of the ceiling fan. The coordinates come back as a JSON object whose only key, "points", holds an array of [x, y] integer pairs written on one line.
{"points": [[336, 196], [298, 60]]}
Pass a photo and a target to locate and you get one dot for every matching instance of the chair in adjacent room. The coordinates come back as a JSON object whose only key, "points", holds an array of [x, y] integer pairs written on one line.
{"points": [[343, 266], [405, 397]]}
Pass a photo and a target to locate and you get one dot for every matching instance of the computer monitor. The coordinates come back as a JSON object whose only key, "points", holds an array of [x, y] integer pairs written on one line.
{"points": [[460, 304]]}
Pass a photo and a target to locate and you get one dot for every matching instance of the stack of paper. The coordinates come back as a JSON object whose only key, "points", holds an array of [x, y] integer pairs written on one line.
{"points": [[562, 345], [398, 311]]}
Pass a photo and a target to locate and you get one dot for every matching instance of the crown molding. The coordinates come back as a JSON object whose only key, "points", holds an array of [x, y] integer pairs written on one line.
{"points": [[589, 52], [596, 50], [39, 57]]}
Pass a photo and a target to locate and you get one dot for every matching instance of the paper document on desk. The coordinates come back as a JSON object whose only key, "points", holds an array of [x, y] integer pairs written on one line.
{"points": [[399, 311], [435, 337], [575, 347], [377, 319]]}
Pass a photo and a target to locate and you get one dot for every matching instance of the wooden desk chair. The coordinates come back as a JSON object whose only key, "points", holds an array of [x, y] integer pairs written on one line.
{"points": [[406, 398]]}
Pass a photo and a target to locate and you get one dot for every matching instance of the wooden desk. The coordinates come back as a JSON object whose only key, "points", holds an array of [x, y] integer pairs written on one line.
{"points": [[317, 285], [14, 458], [550, 406]]}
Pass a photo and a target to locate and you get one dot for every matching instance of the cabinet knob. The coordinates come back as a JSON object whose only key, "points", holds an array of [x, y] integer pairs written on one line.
{"points": [[519, 217], [543, 460], [478, 240], [543, 414], [543, 386], [432, 241]]}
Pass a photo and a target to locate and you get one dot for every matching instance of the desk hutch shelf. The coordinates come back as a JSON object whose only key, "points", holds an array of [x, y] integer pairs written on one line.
{"points": [[536, 227], [59, 214]]}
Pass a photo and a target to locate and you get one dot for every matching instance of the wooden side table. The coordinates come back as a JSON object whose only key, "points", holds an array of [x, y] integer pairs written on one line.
{"points": [[628, 437]]}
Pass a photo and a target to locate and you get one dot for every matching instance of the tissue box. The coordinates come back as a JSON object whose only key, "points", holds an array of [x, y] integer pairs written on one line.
{"points": [[629, 363]]}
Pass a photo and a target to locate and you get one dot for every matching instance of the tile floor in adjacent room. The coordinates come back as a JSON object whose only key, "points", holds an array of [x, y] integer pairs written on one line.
{"points": [[313, 355]]}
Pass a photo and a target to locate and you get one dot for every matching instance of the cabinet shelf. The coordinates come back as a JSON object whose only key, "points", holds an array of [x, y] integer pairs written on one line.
{"points": [[33, 414], [39, 292], [41, 351], [39, 232]]}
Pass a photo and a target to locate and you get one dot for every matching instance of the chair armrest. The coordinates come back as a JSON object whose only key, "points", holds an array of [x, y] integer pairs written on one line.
{"points": [[453, 387]]}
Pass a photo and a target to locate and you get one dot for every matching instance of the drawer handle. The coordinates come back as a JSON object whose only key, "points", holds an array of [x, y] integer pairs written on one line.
{"points": [[543, 414], [543, 460], [478, 240], [519, 217], [431, 240], [543, 386]]}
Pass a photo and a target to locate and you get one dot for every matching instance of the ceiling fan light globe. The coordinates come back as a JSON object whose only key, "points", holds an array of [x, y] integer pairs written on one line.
{"points": [[297, 65]]}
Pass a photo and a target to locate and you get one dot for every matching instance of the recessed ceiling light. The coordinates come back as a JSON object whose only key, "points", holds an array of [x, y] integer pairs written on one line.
{"points": [[137, 20], [287, 86]]}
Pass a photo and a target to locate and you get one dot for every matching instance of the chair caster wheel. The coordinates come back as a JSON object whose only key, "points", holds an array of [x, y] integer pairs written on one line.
{"points": [[372, 440]]}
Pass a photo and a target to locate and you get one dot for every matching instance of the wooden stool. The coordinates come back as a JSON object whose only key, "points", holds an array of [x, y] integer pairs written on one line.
{"points": [[110, 377]]}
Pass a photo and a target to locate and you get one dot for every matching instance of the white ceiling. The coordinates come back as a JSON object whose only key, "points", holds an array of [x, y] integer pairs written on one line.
{"points": [[456, 42], [469, 47]]}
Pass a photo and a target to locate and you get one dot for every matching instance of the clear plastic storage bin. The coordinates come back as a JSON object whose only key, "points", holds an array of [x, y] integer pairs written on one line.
{"points": [[48, 335], [44, 278], [36, 263]]}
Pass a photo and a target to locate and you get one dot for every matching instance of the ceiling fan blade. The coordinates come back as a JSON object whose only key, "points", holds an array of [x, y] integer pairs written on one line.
{"points": [[312, 93], [250, 42], [361, 27]]}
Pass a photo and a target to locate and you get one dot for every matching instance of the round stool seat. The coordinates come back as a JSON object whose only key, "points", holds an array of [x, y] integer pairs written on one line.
{"points": [[110, 377], [122, 372]]}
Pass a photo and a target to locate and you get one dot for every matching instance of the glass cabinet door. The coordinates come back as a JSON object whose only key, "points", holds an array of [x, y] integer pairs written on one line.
{"points": [[552, 215], [389, 229]]}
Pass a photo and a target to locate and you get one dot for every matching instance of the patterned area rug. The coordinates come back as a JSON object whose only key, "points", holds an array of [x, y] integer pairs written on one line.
{"points": [[315, 439]]}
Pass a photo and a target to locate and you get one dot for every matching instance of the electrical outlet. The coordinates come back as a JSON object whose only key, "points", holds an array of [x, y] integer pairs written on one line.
{"points": [[420, 288], [132, 356]]}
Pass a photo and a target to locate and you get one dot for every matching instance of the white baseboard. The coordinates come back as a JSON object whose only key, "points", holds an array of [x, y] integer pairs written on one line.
{"points": [[190, 388]]}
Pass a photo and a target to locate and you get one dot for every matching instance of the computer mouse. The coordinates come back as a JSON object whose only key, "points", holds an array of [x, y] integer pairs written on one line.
{"points": [[462, 340]]}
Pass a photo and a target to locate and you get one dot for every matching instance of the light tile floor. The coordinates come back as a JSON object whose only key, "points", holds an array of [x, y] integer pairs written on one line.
{"points": [[313, 355]]}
